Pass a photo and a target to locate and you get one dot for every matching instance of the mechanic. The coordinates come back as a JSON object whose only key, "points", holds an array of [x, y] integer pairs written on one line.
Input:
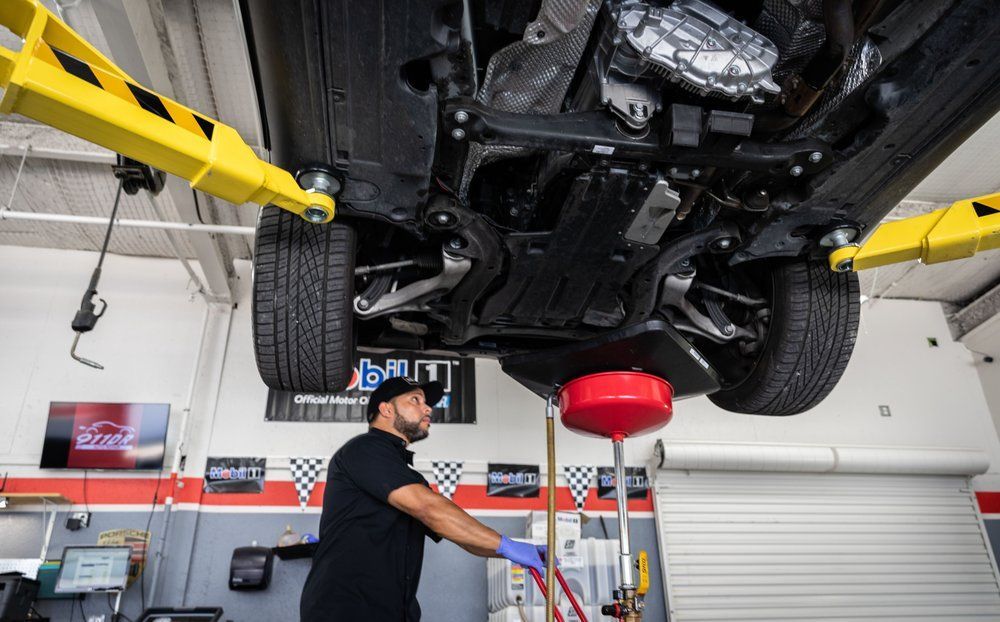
{"points": [[377, 509]]}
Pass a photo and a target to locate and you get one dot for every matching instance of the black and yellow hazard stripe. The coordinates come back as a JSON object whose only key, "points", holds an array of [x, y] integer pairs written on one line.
{"points": [[132, 93], [983, 210]]}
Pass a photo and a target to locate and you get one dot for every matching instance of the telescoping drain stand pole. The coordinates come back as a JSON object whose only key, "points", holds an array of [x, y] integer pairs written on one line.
{"points": [[626, 593], [616, 405]]}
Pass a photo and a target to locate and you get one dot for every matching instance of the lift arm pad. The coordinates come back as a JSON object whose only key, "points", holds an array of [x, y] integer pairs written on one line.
{"points": [[59, 79], [967, 227]]}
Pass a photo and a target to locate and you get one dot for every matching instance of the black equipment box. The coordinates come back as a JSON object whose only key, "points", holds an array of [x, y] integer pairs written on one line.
{"points": [[250, 568], [17, 595], [182, 614]]}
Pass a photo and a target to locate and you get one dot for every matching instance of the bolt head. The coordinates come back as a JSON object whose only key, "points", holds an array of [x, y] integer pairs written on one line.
{"points": [[443, 218], [458, 133], [815, 156], [461, 116], [319, 181], [845, 265], [456, 243], [363, 303], [696, 172], [315, 213], [724, 243], [795, 171]]}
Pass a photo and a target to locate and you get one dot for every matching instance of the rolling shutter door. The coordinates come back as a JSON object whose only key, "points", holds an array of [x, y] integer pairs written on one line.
{"points": [[751, 545]]}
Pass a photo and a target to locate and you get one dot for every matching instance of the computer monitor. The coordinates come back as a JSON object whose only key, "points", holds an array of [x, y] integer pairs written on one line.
{"points": [[93, 569]]}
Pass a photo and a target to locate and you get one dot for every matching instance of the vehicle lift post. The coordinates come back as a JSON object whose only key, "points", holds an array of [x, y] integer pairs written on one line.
{"points": [[612, 405]]}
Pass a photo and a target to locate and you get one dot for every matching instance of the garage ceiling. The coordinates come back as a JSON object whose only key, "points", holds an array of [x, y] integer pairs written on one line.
{"points": [[194, 50]]}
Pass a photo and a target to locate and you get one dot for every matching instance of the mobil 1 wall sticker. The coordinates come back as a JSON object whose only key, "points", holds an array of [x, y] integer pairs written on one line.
{"points": [[456, 374], [227, 475]]}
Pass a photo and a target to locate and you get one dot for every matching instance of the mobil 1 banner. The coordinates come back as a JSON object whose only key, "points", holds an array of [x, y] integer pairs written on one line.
{"points": [[512, 480], [235, 474], [635, 482], [457, 375]]}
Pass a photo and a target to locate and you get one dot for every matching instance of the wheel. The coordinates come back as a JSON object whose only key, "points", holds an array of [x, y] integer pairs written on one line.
{"points": [[813, 327], [303, 289]]}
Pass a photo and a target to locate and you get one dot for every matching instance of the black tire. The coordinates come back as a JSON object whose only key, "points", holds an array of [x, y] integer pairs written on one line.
{"points": [[303, 289], [814, 325]]}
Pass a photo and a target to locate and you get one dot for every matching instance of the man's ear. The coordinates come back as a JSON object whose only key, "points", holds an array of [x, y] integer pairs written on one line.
{"points": [[385, 409]]}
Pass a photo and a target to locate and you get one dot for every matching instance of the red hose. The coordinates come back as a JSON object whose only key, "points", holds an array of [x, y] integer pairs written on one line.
{"points": [[569, 595], [537, 576]]}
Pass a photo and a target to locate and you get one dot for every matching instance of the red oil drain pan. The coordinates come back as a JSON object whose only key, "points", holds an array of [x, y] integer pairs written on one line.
{"points": [[616, 404]]}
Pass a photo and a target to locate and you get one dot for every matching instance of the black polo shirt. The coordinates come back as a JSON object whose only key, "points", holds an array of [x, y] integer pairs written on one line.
{"points": [[367, 563]]}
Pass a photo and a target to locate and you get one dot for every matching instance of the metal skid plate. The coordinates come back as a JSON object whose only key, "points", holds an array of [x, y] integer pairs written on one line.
{"points": [[653, 347], [575, 272], [352, 106]]}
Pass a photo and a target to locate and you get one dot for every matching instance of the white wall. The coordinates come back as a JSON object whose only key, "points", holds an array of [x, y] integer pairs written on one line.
{"points": [[146, 341], [149, 338], [984, 340]]}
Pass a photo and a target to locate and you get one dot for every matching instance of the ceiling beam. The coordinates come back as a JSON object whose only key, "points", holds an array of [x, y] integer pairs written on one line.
{"points": [[977, 312], [43, 141], [134, 31]]}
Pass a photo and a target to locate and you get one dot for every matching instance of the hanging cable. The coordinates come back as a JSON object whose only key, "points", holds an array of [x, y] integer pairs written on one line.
{"points": [[86, 316], [149, 540], [86, 503]]}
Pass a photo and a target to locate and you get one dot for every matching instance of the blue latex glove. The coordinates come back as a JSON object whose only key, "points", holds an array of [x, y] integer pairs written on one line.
{"points": [[523, 553]]}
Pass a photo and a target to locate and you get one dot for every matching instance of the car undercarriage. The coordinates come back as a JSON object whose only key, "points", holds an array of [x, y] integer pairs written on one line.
{"points": [[519, 176]]}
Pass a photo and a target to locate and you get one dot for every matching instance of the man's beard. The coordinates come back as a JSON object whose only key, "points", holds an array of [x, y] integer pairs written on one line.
{"points": [[411, 430]]}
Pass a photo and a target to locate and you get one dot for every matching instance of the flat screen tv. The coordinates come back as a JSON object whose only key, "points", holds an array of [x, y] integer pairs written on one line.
{"points": [[86, 435]]}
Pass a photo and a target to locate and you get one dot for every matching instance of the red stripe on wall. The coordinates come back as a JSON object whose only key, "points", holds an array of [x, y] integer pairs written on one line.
{"points": [[989, 502], [138, 491]]}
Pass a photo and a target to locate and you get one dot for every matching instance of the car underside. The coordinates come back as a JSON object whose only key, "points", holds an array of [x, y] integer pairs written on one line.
{"points": [[515, 177]]}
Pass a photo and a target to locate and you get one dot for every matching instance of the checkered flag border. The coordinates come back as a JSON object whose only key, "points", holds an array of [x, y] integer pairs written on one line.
{"points": [[305, 472], [446, 476], [579, 478]]}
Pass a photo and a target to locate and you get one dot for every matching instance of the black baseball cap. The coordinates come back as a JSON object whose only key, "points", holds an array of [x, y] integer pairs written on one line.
{"points": [[398, 385]]}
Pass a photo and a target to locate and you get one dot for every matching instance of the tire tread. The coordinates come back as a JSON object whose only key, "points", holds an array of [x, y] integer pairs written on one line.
{"points": [[302, 302], [813, 331]]}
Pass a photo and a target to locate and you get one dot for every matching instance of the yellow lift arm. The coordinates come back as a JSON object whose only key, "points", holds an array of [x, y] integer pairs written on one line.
{"points": [[59, 79], [962, 230]]}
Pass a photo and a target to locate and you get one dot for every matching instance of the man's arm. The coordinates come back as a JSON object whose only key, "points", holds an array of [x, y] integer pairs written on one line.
{"points": [[446, 519]]}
